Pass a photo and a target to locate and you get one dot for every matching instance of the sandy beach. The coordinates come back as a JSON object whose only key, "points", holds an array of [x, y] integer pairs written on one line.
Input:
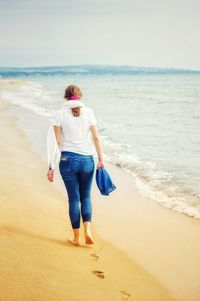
{"points": [[37, 262]]}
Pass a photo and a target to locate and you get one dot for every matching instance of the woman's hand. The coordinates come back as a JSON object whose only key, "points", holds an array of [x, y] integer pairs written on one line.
{"points": [[50, 175], [100, 164]]}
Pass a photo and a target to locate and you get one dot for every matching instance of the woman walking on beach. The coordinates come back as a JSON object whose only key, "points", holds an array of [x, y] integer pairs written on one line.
{"points": [[72, 125]]}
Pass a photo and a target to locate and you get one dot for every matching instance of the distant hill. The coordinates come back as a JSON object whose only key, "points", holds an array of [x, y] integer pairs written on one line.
{"points": [[92, 70]]}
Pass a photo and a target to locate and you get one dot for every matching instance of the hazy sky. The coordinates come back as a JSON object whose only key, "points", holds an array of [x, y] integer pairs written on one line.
{"points": [[154, 33]]}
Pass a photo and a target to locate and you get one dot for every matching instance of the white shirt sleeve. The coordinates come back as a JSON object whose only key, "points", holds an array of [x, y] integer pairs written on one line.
{"points": [[92, 119]]}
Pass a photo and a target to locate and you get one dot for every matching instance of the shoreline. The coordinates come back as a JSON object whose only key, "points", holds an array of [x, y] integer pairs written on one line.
{"points": [[36, 260], [165, 242]]}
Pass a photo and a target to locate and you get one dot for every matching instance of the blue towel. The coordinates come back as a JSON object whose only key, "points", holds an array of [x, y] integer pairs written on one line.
{"points": [[104, 181]]}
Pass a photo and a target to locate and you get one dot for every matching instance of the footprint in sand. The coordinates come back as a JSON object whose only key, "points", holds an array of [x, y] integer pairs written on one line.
{"points": [[94, 256], [99, 274], [124, 295]]}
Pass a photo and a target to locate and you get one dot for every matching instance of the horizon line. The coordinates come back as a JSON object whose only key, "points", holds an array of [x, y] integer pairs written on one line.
{"points": [[99, 65]]}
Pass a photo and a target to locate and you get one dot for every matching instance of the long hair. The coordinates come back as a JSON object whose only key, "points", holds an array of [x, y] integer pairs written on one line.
{"points": [[70, 91]]}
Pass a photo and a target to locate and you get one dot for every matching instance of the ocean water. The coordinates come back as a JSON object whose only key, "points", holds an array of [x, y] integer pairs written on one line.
{"points": [[149, 121]]}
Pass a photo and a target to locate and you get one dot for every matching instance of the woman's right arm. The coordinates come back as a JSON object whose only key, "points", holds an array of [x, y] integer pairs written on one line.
{"points": [[54, 136], [58, 131], [98, 146]]}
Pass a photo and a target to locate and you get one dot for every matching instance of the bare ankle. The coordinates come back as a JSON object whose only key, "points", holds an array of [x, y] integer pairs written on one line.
{"points": [[87, 227], [76, 234]]}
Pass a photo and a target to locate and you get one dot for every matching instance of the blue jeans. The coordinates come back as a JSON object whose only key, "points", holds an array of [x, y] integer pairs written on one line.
{"points": [[77, 173]]}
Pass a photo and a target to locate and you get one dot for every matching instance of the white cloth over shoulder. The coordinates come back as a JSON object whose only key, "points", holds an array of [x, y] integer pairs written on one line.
{"points": [[53, 151]]}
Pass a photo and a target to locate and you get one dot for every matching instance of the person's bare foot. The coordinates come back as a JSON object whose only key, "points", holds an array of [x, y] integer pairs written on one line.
{"points": [[74, 242], [89, 239]]}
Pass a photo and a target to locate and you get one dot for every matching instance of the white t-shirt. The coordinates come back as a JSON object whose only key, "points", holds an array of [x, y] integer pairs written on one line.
{"points": [[76, 135]]}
